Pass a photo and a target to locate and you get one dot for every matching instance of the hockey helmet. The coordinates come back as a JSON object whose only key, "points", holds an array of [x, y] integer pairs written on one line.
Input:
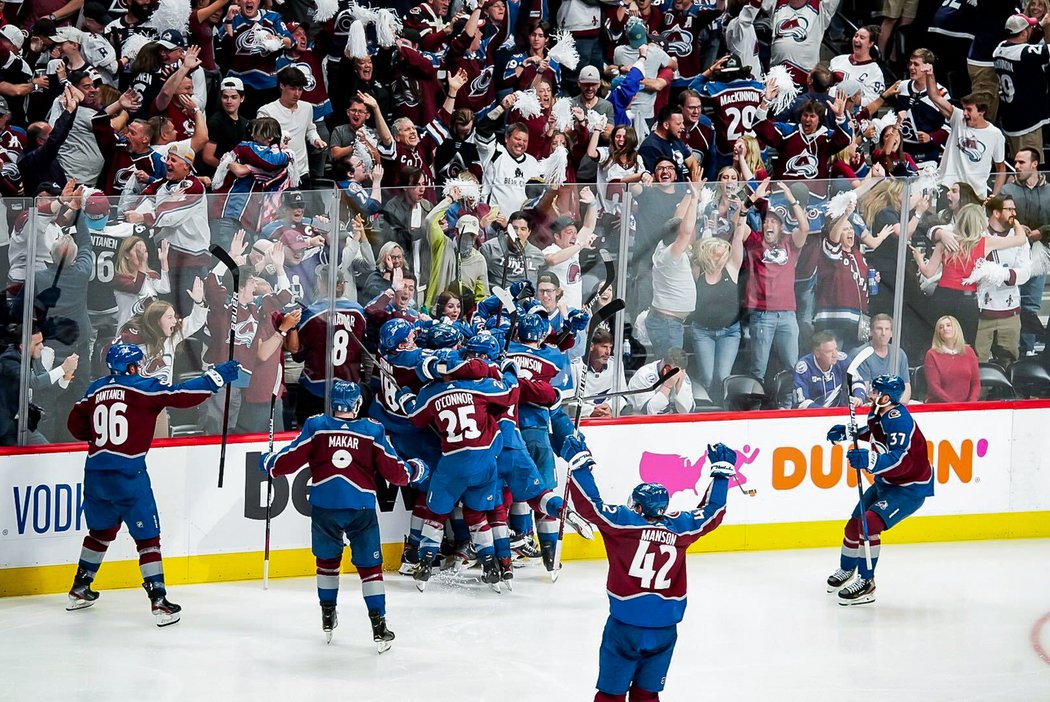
{"points": [[484, 343], [346, 396], [533, 327], [394, 333], [443, 336], [652, 498], [890, 385], [120, 356]]}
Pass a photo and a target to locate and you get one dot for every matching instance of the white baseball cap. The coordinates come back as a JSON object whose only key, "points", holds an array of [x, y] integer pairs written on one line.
{"points": [[14, 35], [589, 74], [63, 34], [232, 84]]}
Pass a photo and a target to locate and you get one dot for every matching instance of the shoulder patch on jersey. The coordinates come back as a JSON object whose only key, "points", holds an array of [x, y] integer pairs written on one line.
{"points": [[893, 414], [802, 367], [841, 356], [369, 419]]}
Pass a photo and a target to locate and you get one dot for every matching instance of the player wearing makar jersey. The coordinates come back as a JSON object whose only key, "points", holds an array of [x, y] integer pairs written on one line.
{"points": [[903, 480], [116, 417], [646, 548], [344, 454]]}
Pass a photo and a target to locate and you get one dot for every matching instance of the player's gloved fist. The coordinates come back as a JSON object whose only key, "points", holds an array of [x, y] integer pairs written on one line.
{"points": [[578, 320], [508, 366], [420, 471], [839, 432], [403, 398], [229, 370], [862, 459], [722, 459], [489, 306], [522, 288], [574, 450], [263, 458]]}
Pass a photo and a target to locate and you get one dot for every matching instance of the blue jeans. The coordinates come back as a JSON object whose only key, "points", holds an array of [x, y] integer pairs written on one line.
{"points": [[664, 332], [715, 351], [769, 329]]}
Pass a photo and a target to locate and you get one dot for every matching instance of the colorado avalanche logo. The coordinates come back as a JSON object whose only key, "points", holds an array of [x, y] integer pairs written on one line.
{"points": [[311, 82], [776, 256], [244, 332], [254, 41], [479, 87], [796, 28], [122, 176], [972, 148], [803, 165], [573, 274], [679, 42], [343, 20]]}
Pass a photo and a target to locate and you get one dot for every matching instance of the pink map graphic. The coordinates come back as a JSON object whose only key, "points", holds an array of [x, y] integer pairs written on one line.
{"points": [[679, 474]]}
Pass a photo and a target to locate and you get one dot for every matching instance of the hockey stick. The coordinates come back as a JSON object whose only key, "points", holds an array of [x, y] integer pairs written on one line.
{"points": [[225, 258], [860, 488], [506, 301], [269, 481], [503, 280], [602, 315], [610, 276], [640, 391]]}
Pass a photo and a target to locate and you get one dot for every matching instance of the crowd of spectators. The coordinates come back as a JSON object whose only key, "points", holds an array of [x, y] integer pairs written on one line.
{"points": [[400, 162]]}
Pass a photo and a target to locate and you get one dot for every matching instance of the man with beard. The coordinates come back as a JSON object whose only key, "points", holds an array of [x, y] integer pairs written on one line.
{"points": [[602, 376], [458, 153], [510, 255]]}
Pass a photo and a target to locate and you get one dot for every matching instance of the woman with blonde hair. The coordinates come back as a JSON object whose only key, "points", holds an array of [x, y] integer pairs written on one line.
{"points": [[953, 295], [715, 321], [134, 281], [747, 158], [951, 368]]}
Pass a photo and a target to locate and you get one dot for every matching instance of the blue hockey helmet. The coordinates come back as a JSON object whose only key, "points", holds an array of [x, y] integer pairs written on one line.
{"points": [[443, 336], [652, 498], [485, 343], [346, 396], [120, 356], [890, 385], [393, 333], [533, 327]]}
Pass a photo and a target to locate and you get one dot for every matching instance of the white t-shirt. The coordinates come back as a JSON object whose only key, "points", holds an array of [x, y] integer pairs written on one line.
{"points": [[674, 289], [611, 197], [570, 275], [970, 153], [655, 58]]}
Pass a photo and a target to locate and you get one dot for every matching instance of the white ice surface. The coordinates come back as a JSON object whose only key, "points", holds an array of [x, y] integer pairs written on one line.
{"points": [[952, 622]]}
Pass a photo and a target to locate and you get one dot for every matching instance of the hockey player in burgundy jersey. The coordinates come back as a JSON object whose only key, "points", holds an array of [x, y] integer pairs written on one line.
{"points": [[903, 480], [116, 417], [344, 454], [731, 96], [646, 548]]}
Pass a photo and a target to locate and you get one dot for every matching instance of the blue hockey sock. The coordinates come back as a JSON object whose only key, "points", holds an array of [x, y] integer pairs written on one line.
{"points": [[520, 518], [460, 531]]}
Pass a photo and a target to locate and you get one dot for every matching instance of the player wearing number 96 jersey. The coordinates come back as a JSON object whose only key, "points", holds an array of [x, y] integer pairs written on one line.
{"points": [[646, 548], [116, 417]]}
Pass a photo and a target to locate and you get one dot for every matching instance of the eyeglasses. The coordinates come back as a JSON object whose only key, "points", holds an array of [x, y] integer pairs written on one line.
{"points": [[359, 112], [665, 168]]}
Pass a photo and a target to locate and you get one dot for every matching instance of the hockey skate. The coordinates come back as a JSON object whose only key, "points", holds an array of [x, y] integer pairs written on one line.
{"points": [[422, 572], [862, 591], [81, 595], [166, 612], [464, 557], [380, 634], [580, 525], [547, 553], [491, 575], [329, 620], [840, 579], [524, 546], [409, 559], [506, 572]]}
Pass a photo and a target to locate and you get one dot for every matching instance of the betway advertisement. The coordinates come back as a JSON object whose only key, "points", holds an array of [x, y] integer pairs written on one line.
{"points": [[985, 462]]}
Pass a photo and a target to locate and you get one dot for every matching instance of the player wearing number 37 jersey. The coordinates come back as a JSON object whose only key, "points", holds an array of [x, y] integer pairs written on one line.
{"points": [[116, 417], [646, 548]]}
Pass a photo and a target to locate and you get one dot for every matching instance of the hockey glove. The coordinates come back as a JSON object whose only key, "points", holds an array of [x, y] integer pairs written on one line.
{"points": [[403, 399], [839, 432], [574, 450], [489, 307], [263, 458], [723, 460], [418, 472], [508, 366], [578, 320], [522, 288], [862, 459]]}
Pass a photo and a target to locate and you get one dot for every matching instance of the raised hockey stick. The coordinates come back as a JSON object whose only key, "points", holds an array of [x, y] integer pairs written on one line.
{"points": [[224, 257], [506, 302], [610, 276], [602, 315], [269, 481], [860, 487], [640, 391]]}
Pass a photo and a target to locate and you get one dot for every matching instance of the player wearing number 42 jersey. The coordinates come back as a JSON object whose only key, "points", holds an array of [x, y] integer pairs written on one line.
{"points": [[116, 417], [646, 548]]}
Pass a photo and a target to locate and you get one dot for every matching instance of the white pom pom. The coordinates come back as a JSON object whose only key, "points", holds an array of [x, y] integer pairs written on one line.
{"points": [[270, 42], [562, 112], [221, 169], [564, 51], [929, 180], [469, 190], [787, 91], [1040, 259], [388, 28], [363, 13], [841, 204], [170, 14], [363, 153], [356, 43], [596, 121], [528, 104], [880, 123], [707, 196], [325, 10], [131, 46], [553, 167]]}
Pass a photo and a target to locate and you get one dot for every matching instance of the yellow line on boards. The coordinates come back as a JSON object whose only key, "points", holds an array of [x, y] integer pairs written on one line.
{"points": [[180, 570]]}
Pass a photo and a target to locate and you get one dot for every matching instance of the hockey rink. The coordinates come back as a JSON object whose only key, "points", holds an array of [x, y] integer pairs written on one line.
{"points": [[958, 621]]}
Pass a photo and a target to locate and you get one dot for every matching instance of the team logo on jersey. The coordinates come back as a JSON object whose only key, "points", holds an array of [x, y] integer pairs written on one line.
{"points": [[123, 175], [881, 504], [973, 149], [803, 165], [244, 332], [679, 42], [343, 20], [479, 87], [254, 40], [893, 414], [776, 256], [802, 367], [796, 28], [574, 272], [311, 82]]}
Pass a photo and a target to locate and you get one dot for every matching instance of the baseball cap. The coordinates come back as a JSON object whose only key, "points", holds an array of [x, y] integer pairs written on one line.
{"points": [[172, 39], [589, 74], [49, 188], [14, 35], [97, 11], [292, 239], [850, 87], [184, 151], [548, 277], [4, 109], [97, 205], [637, 33], [561, 223], [1018, 23], [468, 224], [67, 34], [232, 84], [293, 199]]}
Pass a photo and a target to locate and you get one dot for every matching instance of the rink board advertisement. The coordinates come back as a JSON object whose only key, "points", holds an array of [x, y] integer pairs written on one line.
{"points": [[987, 462]]}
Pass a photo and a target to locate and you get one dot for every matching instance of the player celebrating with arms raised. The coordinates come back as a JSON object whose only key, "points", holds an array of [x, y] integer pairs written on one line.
{"points": [[903, 480], [646, 548], [116, 417]]}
